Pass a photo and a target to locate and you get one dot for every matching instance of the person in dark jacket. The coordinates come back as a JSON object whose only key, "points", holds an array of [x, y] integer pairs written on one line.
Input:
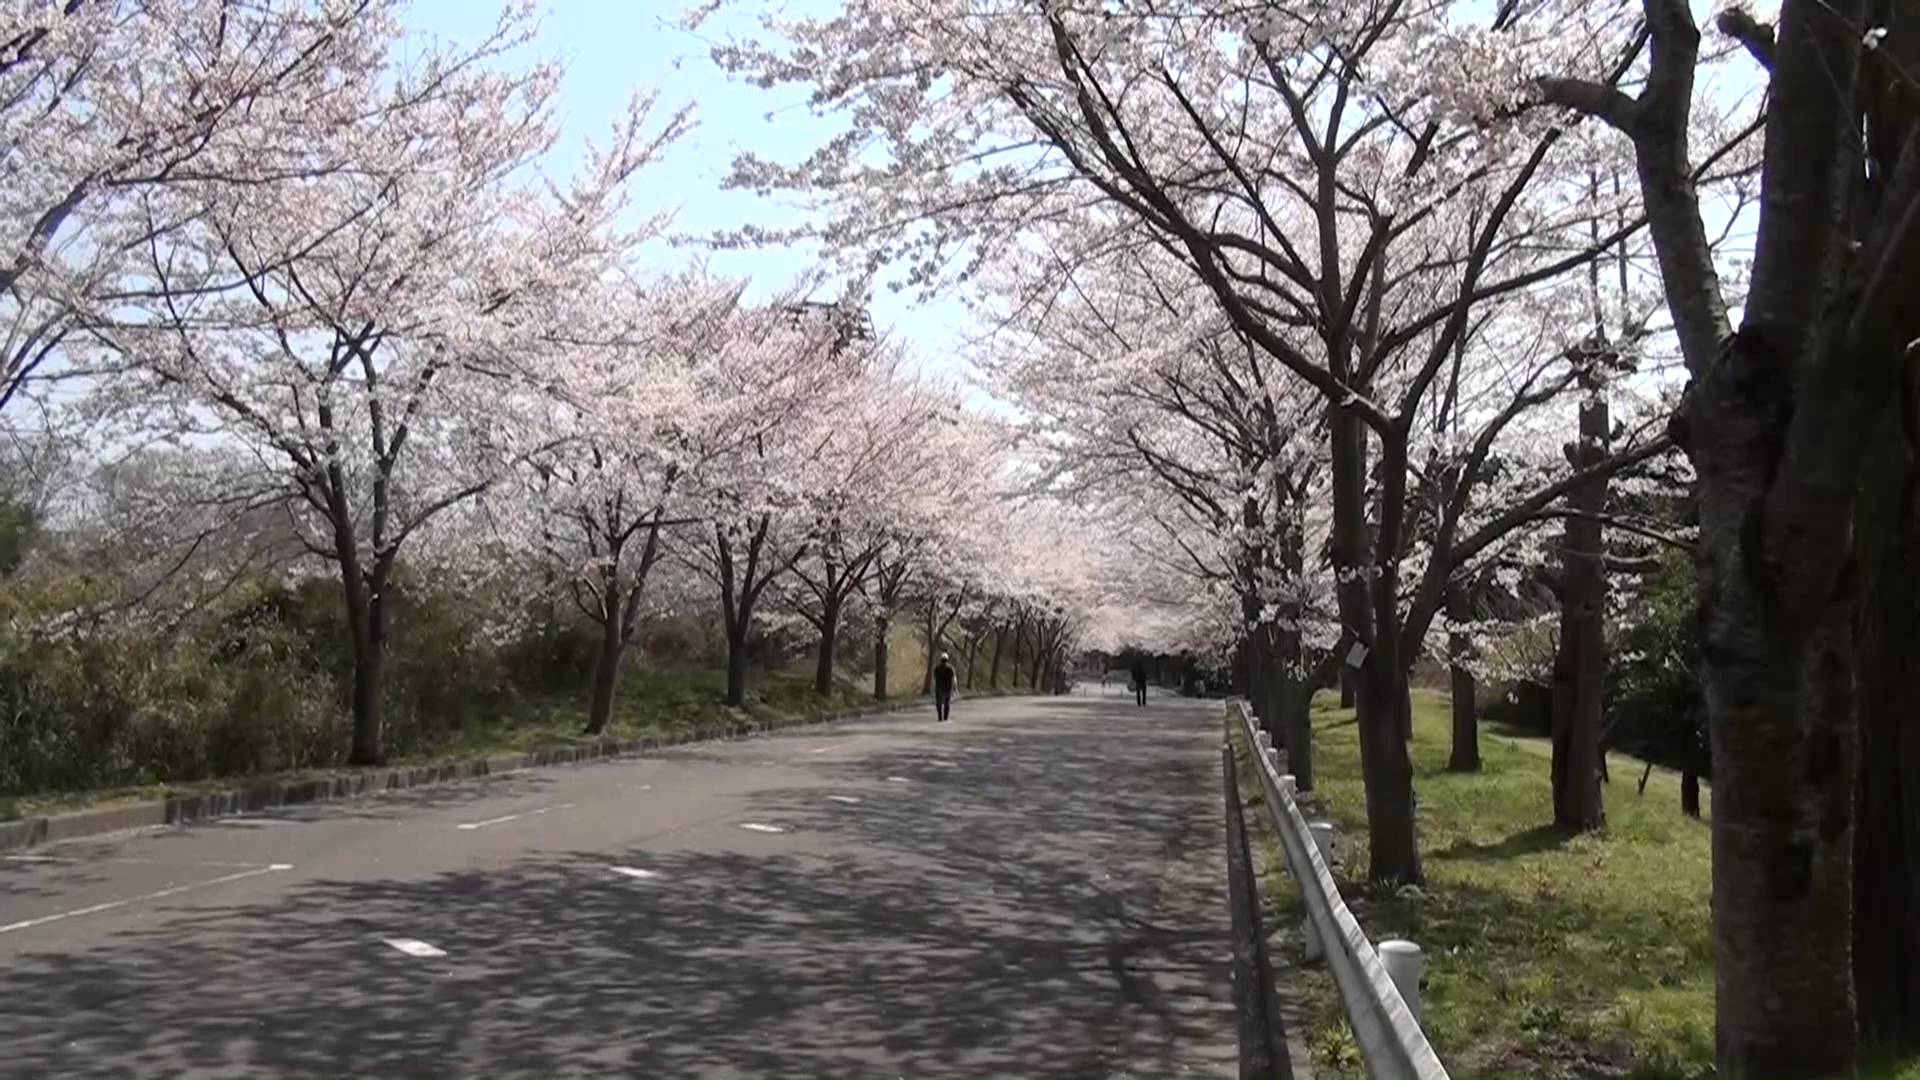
{"points": [[1139, 682], [943, 688]]}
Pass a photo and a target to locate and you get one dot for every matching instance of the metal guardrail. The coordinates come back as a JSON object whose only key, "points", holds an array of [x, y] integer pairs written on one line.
{"points": [[1258, 1027], [1388, 1032]]}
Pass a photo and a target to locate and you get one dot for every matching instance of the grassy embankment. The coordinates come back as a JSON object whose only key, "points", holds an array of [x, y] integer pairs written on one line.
{"points": [[1548, 956], [653, 700]]}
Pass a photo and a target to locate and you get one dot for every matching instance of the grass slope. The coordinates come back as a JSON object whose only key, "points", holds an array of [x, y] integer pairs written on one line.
{"points": [[653, 699], [1548, 956]]}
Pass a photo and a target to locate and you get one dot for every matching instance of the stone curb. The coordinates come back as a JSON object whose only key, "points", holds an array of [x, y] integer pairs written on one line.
{"points": [[183, 809]]}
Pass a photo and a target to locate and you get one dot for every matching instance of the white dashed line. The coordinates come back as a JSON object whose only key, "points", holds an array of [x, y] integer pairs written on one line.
{"points": [[512, 817], [635, 872], [92, 909], [755, 826], [848, 799], [412, 947], [898, 780]]}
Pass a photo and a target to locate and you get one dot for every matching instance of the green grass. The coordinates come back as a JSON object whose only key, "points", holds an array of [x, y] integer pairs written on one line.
{"points": [[653, 700], [1548, 956]]}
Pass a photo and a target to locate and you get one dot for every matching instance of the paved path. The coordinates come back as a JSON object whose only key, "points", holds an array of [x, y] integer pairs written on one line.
{"points": [[1032, 890]]}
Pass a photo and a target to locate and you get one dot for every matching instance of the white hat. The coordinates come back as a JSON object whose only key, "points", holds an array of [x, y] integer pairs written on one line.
{"points": [[946, 656]]}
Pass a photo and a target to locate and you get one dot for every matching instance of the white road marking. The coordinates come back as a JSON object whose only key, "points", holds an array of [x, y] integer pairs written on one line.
{"points": [[214, 864], [93, 909], [635, 872], [898, 780], [850, 800], [413, 948], [755, 826], [820, 750], [512, 817]]}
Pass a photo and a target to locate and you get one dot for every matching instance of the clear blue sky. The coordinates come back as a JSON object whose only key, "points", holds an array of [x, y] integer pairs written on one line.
{"points": [[611, 48]]}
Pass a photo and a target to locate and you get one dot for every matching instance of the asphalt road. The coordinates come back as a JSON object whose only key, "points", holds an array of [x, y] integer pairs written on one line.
{"points": [[1034, 889]]}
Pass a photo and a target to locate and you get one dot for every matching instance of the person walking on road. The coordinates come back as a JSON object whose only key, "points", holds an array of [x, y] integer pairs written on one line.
{"points": [[1139, 682], [943, 688]]}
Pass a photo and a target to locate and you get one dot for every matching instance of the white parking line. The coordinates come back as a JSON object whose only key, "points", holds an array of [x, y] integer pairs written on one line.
{"points": [[635, 872], [512, 817], [93, 909], [755, 826], [413, 947]]}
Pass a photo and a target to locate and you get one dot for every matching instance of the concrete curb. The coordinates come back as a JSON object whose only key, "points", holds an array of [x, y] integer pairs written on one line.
{"points": [[185, 809]]}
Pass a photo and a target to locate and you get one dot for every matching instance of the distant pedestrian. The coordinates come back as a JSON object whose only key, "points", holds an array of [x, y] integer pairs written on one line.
{"points": [[943, 688], [1139, 682]]}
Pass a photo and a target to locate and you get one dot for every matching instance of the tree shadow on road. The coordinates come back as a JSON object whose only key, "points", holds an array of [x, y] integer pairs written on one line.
{"points": [[1009, 913]]}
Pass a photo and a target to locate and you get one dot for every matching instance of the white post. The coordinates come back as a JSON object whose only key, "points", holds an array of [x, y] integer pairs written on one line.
{"points": [[1263, 740], [1273, 759], [1323, 839], [1404, 965], [1288, 784]]}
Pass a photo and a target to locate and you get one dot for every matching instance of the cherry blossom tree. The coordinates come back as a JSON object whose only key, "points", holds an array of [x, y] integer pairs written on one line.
{"points": [[1792, 423], [120, 121], [808, 363], [360, 325], [889, 477], [1345, 216], [641, 396]]}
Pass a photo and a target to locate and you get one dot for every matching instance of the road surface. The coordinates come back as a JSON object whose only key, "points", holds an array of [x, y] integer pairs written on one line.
{"points": [[1034, 889]]}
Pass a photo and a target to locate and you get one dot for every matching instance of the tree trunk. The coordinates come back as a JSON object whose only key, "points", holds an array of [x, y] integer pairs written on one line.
{"points": [[882, 629], [1278, 690], [1465, 756], [1886, 855], [1295, 706], [606, 671], [737, 666], [973, 655], [993, 669], [1381, 694], [1388, 772], [1580, 669], [829, 637], [932, 632], [369, 700], [1690, 788], [367, 626], [1349, 692]]}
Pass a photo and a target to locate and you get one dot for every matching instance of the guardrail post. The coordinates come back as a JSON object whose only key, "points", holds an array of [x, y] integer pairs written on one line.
{"points": [[1263, 740], [1310, 938], [1404, 964], [1323, 839]]}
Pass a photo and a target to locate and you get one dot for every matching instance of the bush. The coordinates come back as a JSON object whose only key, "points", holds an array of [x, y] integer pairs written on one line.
{"points": [[1655, 705], [124, 703]]}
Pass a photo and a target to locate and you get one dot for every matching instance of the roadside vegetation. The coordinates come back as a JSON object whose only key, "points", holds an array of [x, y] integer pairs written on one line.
{"points": [[1549, 955]]}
